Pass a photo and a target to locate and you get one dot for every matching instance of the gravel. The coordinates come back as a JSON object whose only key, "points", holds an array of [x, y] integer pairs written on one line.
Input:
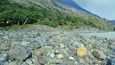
{"points": [[54, 47]]}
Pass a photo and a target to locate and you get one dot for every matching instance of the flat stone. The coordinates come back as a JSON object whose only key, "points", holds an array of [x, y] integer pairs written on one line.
{"points": [[19, 52]]}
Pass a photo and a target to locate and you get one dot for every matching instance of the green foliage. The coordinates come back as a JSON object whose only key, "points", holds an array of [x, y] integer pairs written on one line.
{"points": [[46, 21], [114, 28], [12, 14], [3, 2]]}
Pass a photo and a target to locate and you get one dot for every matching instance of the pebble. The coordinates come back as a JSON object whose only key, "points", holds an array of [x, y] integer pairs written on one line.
{"points": [[38, 53], [62, 45], [52, 55], [60, 56], [71, 58]]}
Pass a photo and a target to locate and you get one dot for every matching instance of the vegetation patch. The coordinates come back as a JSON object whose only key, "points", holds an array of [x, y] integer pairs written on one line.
{"points": [[11, 13]]}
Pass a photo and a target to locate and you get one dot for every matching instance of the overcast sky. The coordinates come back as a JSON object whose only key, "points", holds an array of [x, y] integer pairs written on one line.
{"points": [[103, 8]]}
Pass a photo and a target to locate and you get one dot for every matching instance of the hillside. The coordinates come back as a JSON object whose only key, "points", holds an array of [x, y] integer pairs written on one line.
{"points": [[45, 12]]}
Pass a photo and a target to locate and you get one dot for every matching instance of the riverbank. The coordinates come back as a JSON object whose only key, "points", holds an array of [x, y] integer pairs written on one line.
{"points": [[44, 45]]}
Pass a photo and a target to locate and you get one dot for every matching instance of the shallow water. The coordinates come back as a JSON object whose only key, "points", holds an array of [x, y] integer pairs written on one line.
{"points": [[110, 35]]}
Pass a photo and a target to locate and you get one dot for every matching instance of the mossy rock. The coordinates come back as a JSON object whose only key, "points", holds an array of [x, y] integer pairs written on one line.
{"points": [[96, 54]]}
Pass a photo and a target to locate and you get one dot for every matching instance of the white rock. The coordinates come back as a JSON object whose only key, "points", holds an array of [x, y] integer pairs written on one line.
{"points": [[62, 45], [60, 56], [52, 55], [71, 58]]}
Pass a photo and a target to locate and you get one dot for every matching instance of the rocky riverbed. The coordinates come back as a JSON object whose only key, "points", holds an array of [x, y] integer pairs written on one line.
{"points": [[43, 45]]}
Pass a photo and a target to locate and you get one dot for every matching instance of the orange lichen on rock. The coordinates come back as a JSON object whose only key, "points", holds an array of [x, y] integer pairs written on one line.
{"points": [[82, 52]]}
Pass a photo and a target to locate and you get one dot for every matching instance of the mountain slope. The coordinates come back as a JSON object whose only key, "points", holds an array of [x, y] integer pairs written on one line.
{"points": [[42, 3], [68, 6], [40, 11], [52, 4]]}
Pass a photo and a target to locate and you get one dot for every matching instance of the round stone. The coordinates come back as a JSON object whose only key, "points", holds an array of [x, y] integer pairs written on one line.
{"points": [[38, 53], [81, 52]]}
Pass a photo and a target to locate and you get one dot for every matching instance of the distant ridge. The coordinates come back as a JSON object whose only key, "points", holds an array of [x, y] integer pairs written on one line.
{"points": [[78, 9], [112, 22]]}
